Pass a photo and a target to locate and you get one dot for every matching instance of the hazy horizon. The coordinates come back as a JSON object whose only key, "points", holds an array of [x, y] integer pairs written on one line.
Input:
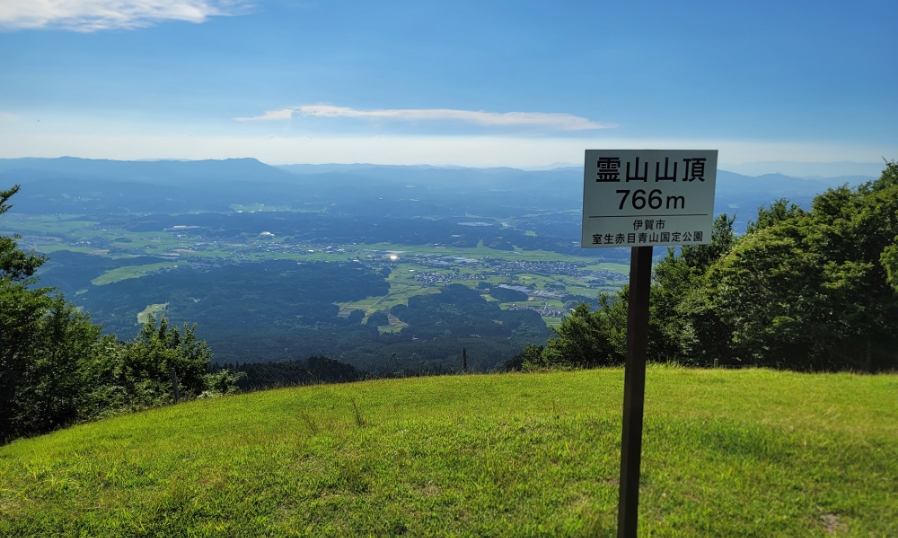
{"points": [[806, 170]]}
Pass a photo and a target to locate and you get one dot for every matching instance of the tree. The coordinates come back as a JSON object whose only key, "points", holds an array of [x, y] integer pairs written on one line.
{"points": [[779, 211], [52, 391], [143, 367], [130, 376], [854, 231], [21, 309], [889, 256], [682, 327], [813, 289], [889, 259], [586, 339], [768, 289], [15, 265]]}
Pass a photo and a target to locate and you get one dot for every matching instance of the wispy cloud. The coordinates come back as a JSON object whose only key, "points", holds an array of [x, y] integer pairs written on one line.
{"points": [[271, 115], [93, 15], [554, 122]]}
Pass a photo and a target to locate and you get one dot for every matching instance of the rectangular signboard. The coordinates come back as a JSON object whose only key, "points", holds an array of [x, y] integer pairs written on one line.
{"points": [[641, 198]]}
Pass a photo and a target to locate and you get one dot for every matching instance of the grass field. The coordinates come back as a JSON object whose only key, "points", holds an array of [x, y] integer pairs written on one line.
{"points": [[48, 230], [151, 309], [130, 271], [50, 233], [726, 453]]}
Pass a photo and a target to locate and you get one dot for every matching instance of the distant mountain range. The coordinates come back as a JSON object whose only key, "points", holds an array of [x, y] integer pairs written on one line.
{"points": [[84, 186], [179, 172], [146, 171], [827, 171]]}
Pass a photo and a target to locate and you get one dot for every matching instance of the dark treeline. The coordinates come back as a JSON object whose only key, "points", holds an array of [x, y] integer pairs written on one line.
{"points": [[310, 371], [802, 289], [252, 376]]}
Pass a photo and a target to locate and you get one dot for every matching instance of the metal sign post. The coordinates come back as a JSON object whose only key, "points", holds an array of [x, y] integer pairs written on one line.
{"points": [[640, 199]]}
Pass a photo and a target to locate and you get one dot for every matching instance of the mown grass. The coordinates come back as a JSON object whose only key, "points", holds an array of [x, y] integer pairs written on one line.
{"points": [[726, 453]]}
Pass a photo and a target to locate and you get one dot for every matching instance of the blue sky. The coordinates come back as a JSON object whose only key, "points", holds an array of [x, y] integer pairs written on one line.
{"points": [[463, 83]]}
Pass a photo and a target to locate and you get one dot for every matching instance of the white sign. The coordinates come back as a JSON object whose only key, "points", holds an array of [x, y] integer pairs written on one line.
{"points": [[641, 198]]}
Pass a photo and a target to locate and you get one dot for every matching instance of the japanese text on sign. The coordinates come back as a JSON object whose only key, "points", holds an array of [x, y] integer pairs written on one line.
{"points": [[648, 197]]}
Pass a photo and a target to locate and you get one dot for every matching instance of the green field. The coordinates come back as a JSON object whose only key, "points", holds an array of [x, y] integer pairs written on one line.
{"points": [[49, 233], [152, 309], [182, 247], [130, 271], [726, 453], [47, 224]]}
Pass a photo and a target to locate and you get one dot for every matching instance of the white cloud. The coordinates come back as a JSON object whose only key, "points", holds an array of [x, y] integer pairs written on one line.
{"points": [[555, 122], [93, 15], [271, 115]]}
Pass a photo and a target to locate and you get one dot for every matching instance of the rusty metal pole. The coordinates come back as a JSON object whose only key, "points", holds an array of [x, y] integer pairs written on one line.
{"points": [[634, 390]]}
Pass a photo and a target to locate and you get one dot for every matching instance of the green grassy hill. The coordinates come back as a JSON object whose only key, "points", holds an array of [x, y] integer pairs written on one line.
{"points": [[726, 453]]}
